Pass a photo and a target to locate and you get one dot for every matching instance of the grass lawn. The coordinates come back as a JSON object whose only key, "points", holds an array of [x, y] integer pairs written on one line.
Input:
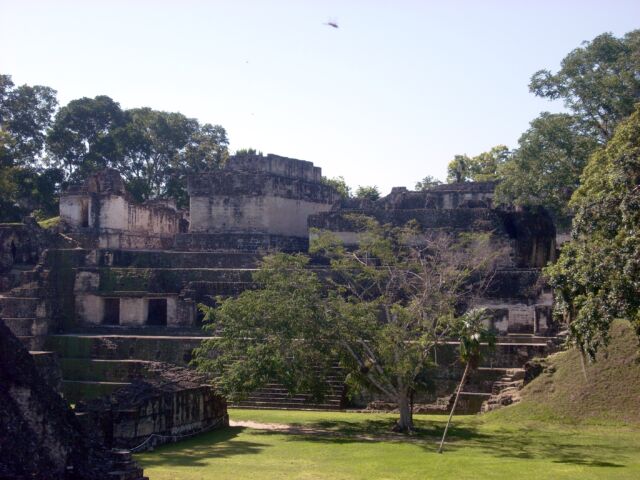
{"points": [[360, 446]]}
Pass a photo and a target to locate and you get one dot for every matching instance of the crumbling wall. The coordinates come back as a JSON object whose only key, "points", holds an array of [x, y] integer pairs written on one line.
{"points": [[258, 195], [102, 209], [40, 437], [516, 296], [170, 403]]}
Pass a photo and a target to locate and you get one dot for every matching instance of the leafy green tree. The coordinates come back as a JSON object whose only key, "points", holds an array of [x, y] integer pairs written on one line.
{"points": [[599, 82], [367, 192], [597, 276], [486, 166], [339, 184], [545, 169], [427, 183], [25, 114], [161, 148], [458, 169], [82, 138], [277, 331], [247, 151], [481, 168], [381, 310]]}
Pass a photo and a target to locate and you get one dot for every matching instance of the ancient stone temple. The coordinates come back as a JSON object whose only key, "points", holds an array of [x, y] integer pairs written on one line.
{"points": [[117, 286]]}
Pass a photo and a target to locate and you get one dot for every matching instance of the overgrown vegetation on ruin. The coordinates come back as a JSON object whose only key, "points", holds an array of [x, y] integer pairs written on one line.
{"points": [[382, 309]]}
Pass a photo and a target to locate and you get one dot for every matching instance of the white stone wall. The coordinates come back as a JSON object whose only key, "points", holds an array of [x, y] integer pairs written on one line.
{"points": [[253, 214], [89, 308], [72, 208], [133, 310], [113, 213]]}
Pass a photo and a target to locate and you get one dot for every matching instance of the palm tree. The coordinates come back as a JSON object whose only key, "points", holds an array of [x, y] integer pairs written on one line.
{"points": [[472, 335]]}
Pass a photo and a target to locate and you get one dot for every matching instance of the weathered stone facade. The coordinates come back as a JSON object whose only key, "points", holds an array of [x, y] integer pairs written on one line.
{"points": [[118, 285], [40, 436], [165, 404], [517, 297], [103, 211]]}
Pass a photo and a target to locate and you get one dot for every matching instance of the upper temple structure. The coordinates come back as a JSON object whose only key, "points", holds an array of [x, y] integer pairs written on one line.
{"points": [[137, 271]]}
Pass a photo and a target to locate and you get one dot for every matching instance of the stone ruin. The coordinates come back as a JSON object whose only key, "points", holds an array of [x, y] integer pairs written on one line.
{"points": [[165, 405], [117, 286], [40, 436]]}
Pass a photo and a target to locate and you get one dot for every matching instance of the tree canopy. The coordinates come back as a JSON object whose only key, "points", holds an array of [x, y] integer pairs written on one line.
{"points": [[481, 168], [545, 169], [40, 151], [380, 310], [599, 82], [426, 183], [367, 192], [597, 277]]}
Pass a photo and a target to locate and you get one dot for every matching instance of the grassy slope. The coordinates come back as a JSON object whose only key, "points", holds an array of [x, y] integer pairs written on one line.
{"points": [[564, 429], [609, 395]]}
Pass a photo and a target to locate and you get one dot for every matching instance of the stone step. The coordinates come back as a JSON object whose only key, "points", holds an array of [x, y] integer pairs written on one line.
{"points": [[284, 406], [121, 455], [284, 395], [74, 391], [292, 400], [499, 387], [135, 473], [20, 327], [19, 307]]}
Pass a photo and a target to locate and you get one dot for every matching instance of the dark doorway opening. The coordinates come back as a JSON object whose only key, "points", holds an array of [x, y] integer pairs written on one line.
{"points": [[111, 311], [157, 312], [84, 215]]}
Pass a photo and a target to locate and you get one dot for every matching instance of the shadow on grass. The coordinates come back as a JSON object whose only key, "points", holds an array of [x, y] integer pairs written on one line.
{"points": [[201, 449], [522, 443], [575, 448]]}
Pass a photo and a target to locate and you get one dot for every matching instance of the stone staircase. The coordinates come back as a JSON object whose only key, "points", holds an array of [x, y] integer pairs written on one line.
{"points": [[24, 308], [505, 391], [275, 396], [124, 467]]}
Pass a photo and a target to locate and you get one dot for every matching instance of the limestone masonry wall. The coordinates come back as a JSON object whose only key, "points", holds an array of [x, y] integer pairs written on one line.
{"points": [[254, 194]]}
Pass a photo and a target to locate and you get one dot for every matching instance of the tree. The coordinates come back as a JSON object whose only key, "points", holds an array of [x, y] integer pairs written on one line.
{"points": [[339, 184], [597, 276], [545, 169], [380, 309], [247, 151], [82, 138], [427, 183], [472, 336], [599, 82], [161, 148], [277, 331], [367, 192], [458, 169], [25, 114], [481, 168], [206, 151]]}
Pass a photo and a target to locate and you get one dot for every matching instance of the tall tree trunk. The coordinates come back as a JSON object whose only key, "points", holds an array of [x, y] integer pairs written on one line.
{"points": [[455, 402], [405, 422]]}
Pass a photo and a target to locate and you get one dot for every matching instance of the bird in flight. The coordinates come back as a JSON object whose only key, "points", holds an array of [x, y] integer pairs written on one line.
{"points": [[332, 23]]}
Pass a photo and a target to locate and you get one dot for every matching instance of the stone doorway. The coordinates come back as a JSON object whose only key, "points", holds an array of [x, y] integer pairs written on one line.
{"points": [[157, 314], [111, 311]]}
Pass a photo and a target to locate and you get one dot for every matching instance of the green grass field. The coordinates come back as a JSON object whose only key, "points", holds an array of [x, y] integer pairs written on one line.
{"points": [[479, 447], [572, 423]]}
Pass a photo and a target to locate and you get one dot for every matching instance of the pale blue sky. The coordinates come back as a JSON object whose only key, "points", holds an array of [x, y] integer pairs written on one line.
{"points": [[386, 99]]}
